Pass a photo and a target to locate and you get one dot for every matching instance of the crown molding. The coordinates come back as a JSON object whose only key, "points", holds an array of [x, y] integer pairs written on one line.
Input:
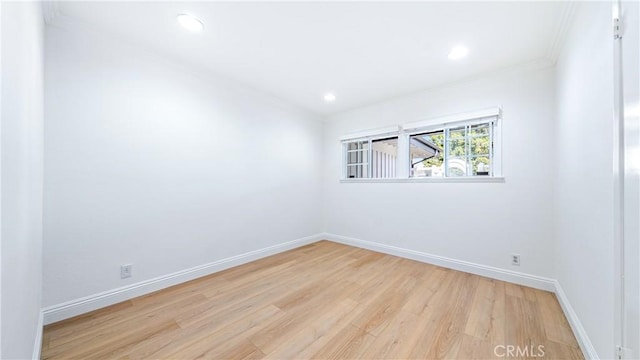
{"points": [[50, 10], [560, 36]]}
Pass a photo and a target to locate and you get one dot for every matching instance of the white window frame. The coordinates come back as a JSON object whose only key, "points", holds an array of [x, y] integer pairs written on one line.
{"points": [[368, 136], [445, 123]]}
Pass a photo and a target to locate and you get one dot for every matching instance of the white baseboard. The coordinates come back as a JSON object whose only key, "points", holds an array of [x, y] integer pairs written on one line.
{"points": [[533, 281], [515, 277], [586, 346], [37, 345], [93, 302], [72, 308]]}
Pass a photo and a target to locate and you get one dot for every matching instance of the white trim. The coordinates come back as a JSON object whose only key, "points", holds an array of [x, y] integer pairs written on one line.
{"points": [[448, 119], [388, 130], [37, 344], [76, 307], [497, 148], [586, 346], [403, 132], [560, 36], [618, 185], [519, 278], [1, 197], [459, 179], [93, 302]]}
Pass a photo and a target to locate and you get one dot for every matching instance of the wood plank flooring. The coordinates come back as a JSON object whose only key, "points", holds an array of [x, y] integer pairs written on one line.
{"points": [[324, 301]]}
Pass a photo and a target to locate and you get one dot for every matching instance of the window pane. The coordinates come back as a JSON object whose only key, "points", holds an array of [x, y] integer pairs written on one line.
{"points": [[357, 145], [481, 166], [426, 154], [357, 171], [352, 172], [457, 133], [436, 138], [456, 147], [358, 157], [456, 166], [479, 130], [384, 154], [480, 145], [352, 157]]}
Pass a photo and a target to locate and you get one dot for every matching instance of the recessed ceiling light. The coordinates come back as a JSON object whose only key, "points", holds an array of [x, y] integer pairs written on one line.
{"points": [[190, 23], [458, 52], [329, 97]]}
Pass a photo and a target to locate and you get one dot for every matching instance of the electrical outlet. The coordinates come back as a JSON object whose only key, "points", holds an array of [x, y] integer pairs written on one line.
{"points": [[515, 259], [125, 271]]}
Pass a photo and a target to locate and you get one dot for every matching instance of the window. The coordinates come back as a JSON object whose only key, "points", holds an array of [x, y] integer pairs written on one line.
{"points": [[459, 150], [426, 154], [457, 146], [384, 154], [373, 157], [357, 159]]}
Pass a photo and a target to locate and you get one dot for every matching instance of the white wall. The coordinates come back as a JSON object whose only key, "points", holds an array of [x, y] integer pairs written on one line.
{"points": [[584, 178], [150, 163], [22, 133], [478, 222], [153, 164]]}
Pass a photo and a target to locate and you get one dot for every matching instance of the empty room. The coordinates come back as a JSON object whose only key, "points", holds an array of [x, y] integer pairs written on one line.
{"points": [[320, 180]]}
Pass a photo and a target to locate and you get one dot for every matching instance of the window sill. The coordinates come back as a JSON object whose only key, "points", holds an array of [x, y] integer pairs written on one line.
{"points": [[478, 179]]}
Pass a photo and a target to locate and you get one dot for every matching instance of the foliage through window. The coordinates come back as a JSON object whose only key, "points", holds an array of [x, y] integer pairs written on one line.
{"points": [[451, 152], [463, 145]]}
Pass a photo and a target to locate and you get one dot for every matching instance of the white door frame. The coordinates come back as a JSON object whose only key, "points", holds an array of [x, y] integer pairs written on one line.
{"points": [[626, 152]]}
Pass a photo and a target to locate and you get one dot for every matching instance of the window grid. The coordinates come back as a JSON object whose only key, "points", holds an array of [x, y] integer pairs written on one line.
{"points": [[462, 153], [468, 156], [355, 159], [361, 160]]}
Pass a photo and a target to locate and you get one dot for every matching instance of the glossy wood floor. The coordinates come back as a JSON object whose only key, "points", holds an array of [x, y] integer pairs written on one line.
{"points": [[323, 301]]}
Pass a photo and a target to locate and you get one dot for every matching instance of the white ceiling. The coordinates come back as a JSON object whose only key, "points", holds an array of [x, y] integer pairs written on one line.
{"points": [[364, 52]]}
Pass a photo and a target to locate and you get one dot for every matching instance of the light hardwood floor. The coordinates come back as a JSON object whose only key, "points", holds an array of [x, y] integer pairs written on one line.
{"points": [[324, 300]]}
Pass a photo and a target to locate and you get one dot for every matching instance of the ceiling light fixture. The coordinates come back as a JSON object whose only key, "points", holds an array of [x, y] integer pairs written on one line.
{"points": [[190, 23], [458, 52], [329, 97]]}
